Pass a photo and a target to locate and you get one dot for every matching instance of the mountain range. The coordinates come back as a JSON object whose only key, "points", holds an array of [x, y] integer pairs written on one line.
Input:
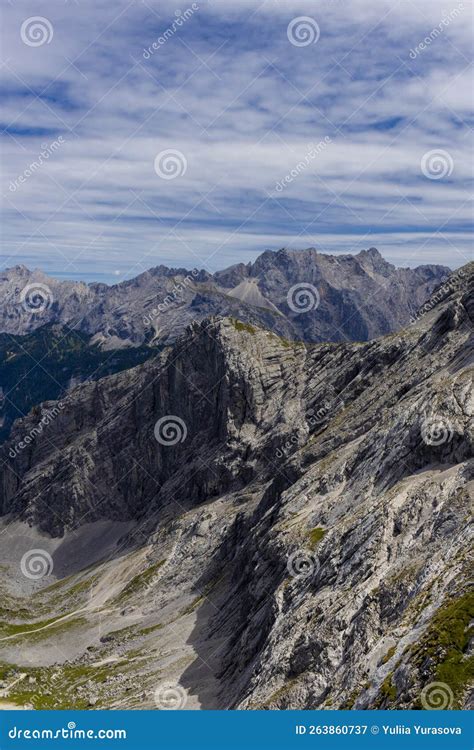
{"points": [[301, 295], [252, 517]]}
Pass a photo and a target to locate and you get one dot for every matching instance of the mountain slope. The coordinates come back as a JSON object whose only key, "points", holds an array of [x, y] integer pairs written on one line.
{"points": [[302, 295], [296, 533], [44, 364]]}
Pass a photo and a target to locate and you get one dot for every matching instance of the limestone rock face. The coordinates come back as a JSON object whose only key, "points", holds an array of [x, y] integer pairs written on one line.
{"points": [[295, 519], [302, 295]]}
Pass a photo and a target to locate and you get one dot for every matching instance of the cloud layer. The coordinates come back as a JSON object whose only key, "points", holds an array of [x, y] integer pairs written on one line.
{"points": [[348, 129]]}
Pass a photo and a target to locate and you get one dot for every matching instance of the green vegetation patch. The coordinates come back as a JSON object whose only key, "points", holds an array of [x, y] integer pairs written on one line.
{"points": [[278, 694], [315, 535], [351, 699], [42, 629], [140, 581], [446, 643], [389, 655], [56, 687], [388, 689], [240, 326], [7, 629], [151, 629]]}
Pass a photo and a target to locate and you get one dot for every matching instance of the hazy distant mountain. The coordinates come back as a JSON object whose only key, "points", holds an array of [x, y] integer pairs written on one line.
{"points": [[256, 523], [302, 295]]}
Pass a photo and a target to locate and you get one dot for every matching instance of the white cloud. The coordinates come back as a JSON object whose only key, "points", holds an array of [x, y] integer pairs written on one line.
{"points": [[242, 104]]}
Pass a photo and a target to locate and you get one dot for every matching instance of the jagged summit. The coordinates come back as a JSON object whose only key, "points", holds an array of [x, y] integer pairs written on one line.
{"points": [[351, 297]]}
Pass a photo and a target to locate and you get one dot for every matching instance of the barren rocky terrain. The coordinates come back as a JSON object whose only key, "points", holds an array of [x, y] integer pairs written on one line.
{"points": [[246, 521]]}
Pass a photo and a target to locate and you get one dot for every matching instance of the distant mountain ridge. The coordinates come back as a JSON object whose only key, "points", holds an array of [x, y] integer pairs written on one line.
{"points": [[299, 294]]}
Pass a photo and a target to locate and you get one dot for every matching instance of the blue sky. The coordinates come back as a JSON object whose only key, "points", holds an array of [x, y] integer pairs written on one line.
{"points": [[241, 105]]}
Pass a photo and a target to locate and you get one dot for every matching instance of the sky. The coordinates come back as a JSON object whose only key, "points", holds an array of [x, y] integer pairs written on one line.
{"points": [[198, 135]]}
